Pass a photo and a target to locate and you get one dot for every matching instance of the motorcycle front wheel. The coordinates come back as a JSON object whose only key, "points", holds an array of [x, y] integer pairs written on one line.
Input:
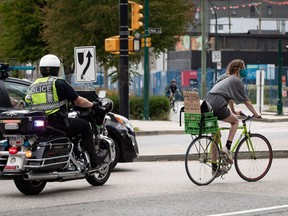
{"points": [[29, 187], [100, 177]]}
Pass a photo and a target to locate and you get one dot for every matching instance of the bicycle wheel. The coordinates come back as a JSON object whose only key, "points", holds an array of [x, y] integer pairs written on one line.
{"points": [[200, 155], [175, 106], [253, 161]]}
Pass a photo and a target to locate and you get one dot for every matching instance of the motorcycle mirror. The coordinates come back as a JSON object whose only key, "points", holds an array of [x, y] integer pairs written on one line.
{"points": [[102, 94]]}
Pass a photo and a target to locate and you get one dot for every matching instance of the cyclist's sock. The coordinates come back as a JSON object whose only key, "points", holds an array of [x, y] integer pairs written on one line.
{"points": [[228, 144]]}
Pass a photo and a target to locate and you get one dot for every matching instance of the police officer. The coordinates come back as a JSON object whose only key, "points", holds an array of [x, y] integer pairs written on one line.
{"points": [[51, 94]]}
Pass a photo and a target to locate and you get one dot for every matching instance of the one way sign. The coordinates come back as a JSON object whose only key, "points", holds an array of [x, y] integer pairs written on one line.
{"points": [[85, 63]]}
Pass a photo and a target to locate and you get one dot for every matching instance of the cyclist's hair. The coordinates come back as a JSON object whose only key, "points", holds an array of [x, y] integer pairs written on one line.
{"points": [[235, 66]]}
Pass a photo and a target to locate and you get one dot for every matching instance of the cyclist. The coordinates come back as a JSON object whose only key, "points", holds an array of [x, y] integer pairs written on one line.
{"points": [[229, 88], [172, 89]]}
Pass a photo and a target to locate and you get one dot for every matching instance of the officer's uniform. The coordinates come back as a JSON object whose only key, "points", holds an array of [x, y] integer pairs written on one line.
{"points": [[52, 94]]}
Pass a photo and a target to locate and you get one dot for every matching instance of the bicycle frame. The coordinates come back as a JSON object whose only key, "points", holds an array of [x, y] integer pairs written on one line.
{"points": [[244, 133]]}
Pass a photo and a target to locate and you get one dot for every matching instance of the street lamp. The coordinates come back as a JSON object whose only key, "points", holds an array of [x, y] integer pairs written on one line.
{"points": [[216, 34], [216, 24]]}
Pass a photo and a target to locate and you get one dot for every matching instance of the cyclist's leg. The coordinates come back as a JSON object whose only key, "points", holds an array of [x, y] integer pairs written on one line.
{"points": [[234, 121], [216, 138]]}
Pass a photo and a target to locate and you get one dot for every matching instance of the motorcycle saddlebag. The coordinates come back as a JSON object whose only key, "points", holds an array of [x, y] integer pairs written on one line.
{"points": [[22, 122], [50, 154]]}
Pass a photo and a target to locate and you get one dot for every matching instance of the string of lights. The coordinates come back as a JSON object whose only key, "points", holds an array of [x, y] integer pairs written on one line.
{"points": [[247, 5], [276, 2]]}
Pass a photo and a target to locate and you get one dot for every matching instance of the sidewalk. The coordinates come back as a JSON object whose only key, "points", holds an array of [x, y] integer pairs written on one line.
{"points": [[172, 127]]}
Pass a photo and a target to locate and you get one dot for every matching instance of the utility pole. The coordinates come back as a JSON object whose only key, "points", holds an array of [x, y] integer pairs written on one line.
{"points": [[146, 61], [123, 60], [203, 53], [279, 103]]}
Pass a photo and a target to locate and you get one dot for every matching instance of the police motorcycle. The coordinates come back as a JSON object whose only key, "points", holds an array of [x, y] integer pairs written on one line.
{"points": [[34, 153]]}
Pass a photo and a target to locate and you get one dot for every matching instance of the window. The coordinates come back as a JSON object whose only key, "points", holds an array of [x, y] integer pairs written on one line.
{"points": [[234, 11], [220, 27], [16, 91], [252, 10], [269, 10]]}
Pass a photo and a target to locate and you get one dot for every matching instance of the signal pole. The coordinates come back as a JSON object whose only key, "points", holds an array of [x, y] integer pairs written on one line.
{"points": [[146, 62], [123, 60]]}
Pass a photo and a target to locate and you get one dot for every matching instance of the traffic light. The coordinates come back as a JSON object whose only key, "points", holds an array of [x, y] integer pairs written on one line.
{"points": [[133, 44], [148, 42], [112, 44], [136, 15]]}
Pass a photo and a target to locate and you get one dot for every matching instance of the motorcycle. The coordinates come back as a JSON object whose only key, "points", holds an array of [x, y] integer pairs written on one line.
{"points": [[34, 153]]}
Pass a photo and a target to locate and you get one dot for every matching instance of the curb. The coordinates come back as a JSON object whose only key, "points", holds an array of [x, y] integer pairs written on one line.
{"points": [[181, 157], [153, 133], [173, 131]]}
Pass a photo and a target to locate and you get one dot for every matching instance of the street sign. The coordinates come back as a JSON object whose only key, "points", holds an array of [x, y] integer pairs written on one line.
{"points": [[155, 30], [216, 56], [85, 63]]}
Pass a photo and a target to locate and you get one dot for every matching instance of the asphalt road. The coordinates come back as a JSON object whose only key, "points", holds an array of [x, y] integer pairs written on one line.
{"points": [[154, 188]]}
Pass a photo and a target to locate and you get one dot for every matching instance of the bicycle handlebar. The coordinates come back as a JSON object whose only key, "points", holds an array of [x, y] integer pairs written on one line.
{"points": [[247, 117]]}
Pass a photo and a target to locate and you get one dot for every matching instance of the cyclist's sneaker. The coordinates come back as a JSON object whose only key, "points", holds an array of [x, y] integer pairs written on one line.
{"points": [[221, 171], [228, 153]]}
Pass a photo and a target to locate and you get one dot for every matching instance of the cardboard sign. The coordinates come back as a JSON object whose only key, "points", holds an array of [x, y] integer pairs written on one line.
{"points": [[192, 102]]}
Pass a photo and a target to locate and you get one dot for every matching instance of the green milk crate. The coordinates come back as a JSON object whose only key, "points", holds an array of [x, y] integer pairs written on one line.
{"points": [[192, 123]]}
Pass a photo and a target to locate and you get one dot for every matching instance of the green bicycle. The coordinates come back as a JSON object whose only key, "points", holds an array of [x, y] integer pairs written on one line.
{"points": [[252, 156]]}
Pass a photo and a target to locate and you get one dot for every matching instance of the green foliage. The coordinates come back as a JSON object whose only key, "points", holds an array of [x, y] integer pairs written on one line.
{"points": [[158, 106], [270, 94], [30, 28], [21, 30]]}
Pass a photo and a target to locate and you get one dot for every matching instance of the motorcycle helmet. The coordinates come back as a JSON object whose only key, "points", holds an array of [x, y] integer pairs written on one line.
{"points": [[49, 65], [173, 80]]}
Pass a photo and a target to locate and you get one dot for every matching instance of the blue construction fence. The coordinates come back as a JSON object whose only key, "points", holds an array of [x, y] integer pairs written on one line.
{"points": [[160, 81]]}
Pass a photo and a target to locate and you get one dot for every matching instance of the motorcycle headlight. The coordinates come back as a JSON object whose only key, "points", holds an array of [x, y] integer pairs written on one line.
{"points": [[124, 121]]}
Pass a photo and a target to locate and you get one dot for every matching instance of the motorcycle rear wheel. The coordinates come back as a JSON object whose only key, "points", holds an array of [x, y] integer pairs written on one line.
{"points": [[29, 187], [100, 177]]}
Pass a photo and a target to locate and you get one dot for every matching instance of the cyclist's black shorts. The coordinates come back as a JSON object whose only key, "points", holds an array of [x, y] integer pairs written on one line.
{"points": [[219, 106]]}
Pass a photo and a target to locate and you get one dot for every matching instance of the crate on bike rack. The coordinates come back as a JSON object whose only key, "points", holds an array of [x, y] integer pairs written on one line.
{"points": [[193, 123]]}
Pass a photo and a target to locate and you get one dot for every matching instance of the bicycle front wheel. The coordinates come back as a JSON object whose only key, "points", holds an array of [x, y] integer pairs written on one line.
{"points": [[175, 106], [201, 154], [253, 159]]}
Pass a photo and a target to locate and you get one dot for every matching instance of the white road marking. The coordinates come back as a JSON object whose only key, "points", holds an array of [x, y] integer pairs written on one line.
{"points": [[252, 210]]}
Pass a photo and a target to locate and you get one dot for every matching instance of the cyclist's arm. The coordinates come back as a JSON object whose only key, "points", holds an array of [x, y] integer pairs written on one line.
{"points": [[231, 105], [251, 108]]}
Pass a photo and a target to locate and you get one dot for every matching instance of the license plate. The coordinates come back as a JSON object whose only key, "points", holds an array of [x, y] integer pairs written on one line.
{"points": [[17, 140]]}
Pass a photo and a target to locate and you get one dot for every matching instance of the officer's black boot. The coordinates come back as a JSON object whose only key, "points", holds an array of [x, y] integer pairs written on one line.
{"points": [[95, 159]]}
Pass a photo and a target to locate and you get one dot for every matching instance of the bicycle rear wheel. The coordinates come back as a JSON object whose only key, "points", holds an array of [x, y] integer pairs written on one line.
{"points": [[200, 155], [253, 160]]}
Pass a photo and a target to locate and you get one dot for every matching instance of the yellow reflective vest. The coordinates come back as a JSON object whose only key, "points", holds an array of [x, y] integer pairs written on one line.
{"points": [[42, 95]]}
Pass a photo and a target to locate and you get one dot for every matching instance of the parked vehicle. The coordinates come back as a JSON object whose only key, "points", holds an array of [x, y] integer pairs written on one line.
{"points": [[13, 90], [34, 153]]}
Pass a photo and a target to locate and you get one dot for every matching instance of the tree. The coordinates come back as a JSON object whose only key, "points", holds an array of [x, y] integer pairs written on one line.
{"points": [[70, 23], [20, 30], [32, 28]]}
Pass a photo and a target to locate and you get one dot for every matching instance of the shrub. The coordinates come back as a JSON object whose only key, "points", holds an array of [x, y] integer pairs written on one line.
{"points": [[158, 106]]}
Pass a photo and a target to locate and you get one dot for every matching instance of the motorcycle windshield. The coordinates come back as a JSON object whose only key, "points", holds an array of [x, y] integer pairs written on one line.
{"points": [[84, 89]]}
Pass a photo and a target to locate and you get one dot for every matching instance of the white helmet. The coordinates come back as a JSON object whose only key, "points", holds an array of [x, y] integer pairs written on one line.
{"points": [[49, 65]]}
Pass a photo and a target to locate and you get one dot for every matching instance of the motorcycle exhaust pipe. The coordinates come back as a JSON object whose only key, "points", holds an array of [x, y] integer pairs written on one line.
{"points": [[52, 176]]}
